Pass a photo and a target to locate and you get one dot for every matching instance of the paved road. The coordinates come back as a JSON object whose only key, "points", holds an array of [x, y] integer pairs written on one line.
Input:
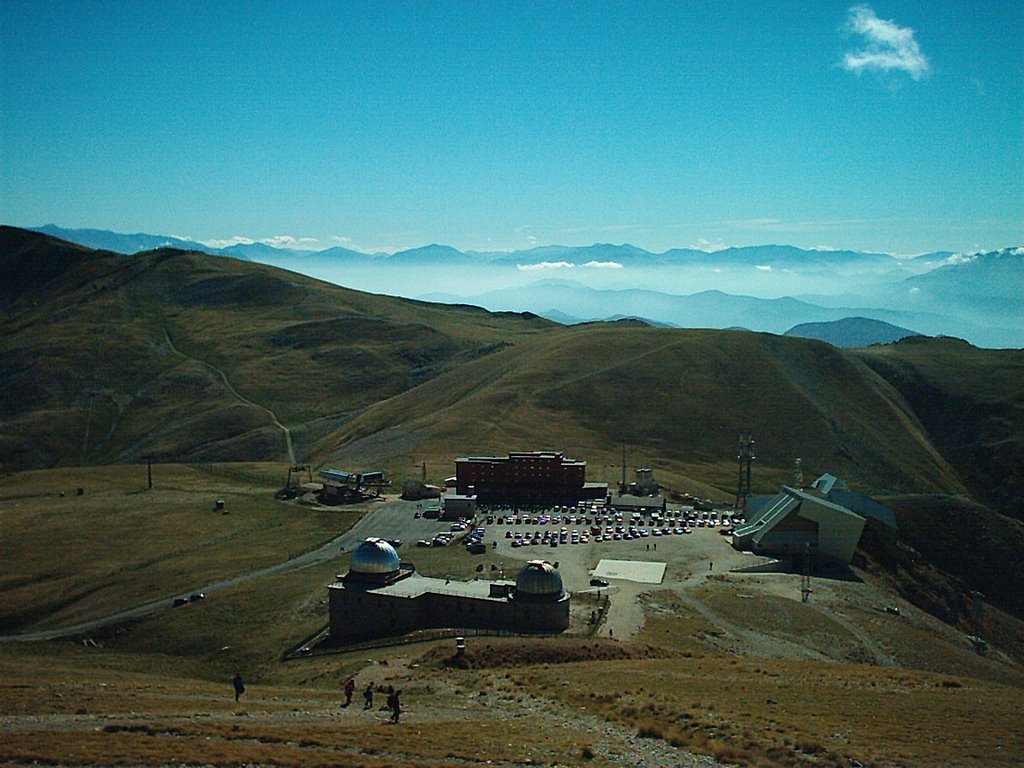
{"points": [[387, 519]]}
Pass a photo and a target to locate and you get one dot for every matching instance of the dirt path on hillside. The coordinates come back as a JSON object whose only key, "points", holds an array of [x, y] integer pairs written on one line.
{"points": [[431, 699], [237, 395]]}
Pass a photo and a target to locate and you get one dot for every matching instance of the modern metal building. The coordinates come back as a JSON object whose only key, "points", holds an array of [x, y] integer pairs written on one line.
{"points": [[795, 522]]}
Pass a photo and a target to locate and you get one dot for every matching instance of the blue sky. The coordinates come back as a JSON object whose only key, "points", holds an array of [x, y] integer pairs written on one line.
{"points": [[891, 126]]}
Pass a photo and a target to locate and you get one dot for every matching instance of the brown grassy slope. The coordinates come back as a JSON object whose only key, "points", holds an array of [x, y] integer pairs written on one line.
{"points": [[971, 402], [980, 549], [111, 357], [677, 397], [184, 355], [72, 558]]}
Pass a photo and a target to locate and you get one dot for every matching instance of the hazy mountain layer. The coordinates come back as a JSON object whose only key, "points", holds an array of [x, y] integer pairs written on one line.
{"points": [[852, 332], [974, 297], [110, 358]]}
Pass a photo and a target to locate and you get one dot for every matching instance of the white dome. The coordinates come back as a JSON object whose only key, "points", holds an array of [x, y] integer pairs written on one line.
{"points": [[538, 578], [374, 556]]}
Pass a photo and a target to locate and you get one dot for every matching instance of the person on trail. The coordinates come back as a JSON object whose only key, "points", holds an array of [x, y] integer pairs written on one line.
{"points": [[395, 702], [388, 702], [711, 565], [368, 696], [236, 681], [350, 689]]}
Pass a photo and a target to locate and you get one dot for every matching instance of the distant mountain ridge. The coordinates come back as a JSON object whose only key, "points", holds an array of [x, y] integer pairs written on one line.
{"points": [[852, 332], [104, 240], [707, 309], [625, 253], [976, 297]]}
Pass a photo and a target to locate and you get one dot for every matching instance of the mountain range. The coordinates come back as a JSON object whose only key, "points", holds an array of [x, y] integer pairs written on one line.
{"points": [[852, 332], [171, 353], [766, 288]]}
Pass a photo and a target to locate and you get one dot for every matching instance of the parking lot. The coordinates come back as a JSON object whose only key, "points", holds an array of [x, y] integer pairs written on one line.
{"points": [[396, 519], [686, 541]]}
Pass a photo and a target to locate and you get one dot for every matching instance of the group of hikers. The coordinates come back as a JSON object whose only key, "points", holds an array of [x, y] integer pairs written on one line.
{"points": [[393, 702]]}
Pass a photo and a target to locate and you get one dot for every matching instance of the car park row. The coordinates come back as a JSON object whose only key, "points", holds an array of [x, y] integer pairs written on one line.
{"points": [[595, 523]]}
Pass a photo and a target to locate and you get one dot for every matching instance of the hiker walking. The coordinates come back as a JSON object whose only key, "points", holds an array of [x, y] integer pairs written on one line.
{"points": [[395, 702], [238, 684], [368, 696], [350, 689]]}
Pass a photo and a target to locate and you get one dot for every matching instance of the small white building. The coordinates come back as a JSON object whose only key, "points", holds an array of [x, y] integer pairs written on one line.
{"points": [[456, 505], [795, 522]]}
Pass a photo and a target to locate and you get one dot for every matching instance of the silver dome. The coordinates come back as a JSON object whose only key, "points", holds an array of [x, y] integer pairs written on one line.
{"points": [[374, 556], [538, 578]]}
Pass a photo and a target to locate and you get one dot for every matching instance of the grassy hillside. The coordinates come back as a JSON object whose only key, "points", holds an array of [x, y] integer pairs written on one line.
{"points": [[677, 399], [971, 403], [187, 356], [190, 357]]}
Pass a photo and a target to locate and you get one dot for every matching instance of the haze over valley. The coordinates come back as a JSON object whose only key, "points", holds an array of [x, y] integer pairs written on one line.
{"points": [[771, 288]]}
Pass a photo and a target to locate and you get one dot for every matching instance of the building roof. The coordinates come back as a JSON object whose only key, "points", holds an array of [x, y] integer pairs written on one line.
{"points": [[415, 585], [337, 475], [629, 501], [374, 556], [513, 455], [864, 506], [539, 577]]}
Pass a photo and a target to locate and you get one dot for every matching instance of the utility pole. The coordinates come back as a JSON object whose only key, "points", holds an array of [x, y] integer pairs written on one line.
{"points": [[623, 487], [745, 454], [805, 577]]}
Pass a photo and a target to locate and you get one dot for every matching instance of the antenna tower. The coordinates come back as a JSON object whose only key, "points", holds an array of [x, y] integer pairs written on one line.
{"points": [[745, 454], [622, 488], [805, 577]]}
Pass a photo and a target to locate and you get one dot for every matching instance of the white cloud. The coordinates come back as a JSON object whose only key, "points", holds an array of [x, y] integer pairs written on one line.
{"points": [[764, 267], [290, 241], [709, 246], [236, 240], [887, 46], [602, 265], [341, 239], [277, 241], [959, 258], [544, 265]]}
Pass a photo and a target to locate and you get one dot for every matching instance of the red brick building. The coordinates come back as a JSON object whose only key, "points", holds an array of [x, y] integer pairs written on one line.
{"points": [[534, 477]]}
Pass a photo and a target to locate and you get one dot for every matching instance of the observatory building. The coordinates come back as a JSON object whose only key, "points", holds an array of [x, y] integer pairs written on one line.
{"points": [[382, 597]]}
